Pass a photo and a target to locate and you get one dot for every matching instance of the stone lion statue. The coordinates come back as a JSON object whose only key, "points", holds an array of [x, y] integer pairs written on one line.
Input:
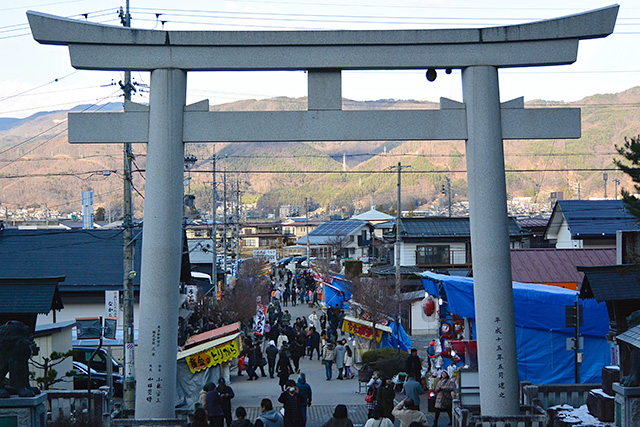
{"points": [[16, 347], [633, 379]]}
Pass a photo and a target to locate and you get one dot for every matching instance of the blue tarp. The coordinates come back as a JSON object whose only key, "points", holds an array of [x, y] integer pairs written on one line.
{"points": [[337, 293], [540, 332], [391, 340]]}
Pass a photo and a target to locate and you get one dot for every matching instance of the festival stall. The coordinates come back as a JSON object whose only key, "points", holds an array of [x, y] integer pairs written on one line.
{"points": [[541, 335], [337, 292], [363, 332], [206, 358]]}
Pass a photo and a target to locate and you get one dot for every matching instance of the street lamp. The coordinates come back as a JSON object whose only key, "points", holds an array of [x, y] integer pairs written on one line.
{"points": [[616, 182], [605, 176]]}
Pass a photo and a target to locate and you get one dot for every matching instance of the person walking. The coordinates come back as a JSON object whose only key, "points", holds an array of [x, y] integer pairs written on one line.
{"points": [[283, 367], [348, 361], [385, 396], [340, 418], [226, 394], [214, 407], [314, 343], [268, 416], [297, 349], [272, 353], [413, 389], [305, 390], [444, 400], [314, 320], [340, 352], [407, 413], [252, 355], [292, 401], [372, 394], [377, 419], [328, 357]]}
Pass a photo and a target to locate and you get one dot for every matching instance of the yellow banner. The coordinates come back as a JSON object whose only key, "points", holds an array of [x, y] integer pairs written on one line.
{"points": [[213, 356], [360, 330]]}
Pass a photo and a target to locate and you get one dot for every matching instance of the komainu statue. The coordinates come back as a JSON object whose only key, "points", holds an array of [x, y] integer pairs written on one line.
{"points": [[16, 347]]}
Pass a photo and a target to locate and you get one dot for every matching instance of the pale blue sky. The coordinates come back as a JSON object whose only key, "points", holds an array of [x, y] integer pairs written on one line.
{"points": [[603, 66]]}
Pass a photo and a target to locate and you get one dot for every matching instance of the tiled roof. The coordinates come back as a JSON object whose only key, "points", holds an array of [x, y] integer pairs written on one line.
{"points": [[611, 283], [632, 336], [89, 259], [596, 217], [556, 265], [30, 295], [438, 227]]}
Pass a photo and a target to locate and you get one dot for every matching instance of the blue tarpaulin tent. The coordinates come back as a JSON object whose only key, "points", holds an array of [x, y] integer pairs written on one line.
{"points": [[540, 328], [391, 340], [337, 292]]}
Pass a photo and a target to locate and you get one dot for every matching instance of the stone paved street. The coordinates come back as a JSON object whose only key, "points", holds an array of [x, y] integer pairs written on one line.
{"points": [[326, 394]]}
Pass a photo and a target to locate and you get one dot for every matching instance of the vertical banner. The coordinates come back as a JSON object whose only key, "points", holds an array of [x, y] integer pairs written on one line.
{"points": [[260, 319], [111, 303]]}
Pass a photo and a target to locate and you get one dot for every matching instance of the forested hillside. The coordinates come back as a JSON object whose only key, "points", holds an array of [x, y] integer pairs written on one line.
{"points": [[39, 168]]}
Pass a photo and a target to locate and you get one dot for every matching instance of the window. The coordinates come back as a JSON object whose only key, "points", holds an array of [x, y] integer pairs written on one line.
{"points": [[432, 255]]}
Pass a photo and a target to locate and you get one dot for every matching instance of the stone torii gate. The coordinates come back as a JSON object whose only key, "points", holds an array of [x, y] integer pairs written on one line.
{"points": [[480, 120]]}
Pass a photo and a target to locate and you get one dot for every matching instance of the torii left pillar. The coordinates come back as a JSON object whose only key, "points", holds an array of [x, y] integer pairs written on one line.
{"points": [[161, 246]]}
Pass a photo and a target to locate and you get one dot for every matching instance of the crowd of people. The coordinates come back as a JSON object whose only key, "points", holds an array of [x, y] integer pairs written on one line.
{"points": [[278, 351]]}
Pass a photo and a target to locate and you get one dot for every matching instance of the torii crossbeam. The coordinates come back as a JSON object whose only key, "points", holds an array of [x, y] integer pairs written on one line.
{"points": [[480, 120]]}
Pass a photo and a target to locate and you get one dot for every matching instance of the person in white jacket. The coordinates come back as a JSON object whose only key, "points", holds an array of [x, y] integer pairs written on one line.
{"points": [[378, 419]]}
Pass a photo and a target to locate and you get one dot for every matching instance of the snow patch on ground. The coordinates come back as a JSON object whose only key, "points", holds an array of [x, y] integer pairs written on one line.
{"points": [[579, 416]]}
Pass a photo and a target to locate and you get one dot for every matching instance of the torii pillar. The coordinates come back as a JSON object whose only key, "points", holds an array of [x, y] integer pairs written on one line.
{"points": [[480, 120]]}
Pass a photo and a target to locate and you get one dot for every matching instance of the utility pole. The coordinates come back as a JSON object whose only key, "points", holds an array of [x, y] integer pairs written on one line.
{"points": [[237, 220], [605, 176], [397, 244], [224, 233], [616, 182], [448, 191], [129, 273], [306, 209], [214, 227]]}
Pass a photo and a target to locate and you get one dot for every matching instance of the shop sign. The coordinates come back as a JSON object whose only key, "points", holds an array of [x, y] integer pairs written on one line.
{"points": [[214, 356], [360, 330]]}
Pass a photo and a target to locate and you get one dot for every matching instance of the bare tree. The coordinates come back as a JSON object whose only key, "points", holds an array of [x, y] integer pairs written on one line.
{"points": [[239, 303], [374, 299]]}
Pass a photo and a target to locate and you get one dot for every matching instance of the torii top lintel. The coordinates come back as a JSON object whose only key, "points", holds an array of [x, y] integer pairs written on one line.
{"points": [[103, 47]]}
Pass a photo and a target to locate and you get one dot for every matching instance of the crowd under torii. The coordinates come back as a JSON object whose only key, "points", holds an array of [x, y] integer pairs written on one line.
{"points": [[167, 123]]}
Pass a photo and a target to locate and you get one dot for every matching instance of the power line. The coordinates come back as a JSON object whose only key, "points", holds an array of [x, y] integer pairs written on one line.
{"points": [[56, 80]]}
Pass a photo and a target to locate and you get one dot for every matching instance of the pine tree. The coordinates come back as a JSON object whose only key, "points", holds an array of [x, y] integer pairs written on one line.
{"points": [[630, 165]]}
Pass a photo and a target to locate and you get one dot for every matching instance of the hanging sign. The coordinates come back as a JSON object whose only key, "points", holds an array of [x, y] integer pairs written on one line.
{"points": [[360, 330], [260, 319], [213, 356]]}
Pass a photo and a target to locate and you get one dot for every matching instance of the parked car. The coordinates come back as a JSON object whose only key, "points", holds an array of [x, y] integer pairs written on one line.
{"points": [[99, 362], [98, 379]]}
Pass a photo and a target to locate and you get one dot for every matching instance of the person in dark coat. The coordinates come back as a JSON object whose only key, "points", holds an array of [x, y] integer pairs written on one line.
{"points": [[214, 407], [385, 396], [292, 401], [314, 343], [297, 349], [305, 390], [340, 418], [413, 365], [241, 418], [226, 394], [283, 367], [272, 354]]}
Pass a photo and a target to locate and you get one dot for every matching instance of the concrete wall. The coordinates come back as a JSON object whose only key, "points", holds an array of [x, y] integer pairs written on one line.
{"points": [[422, 324], [59, 341]]}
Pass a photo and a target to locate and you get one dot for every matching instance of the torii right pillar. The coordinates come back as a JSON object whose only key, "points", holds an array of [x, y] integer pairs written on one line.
{"points": [[490, 245]]}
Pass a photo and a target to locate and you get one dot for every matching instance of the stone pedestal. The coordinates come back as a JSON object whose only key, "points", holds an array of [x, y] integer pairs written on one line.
{"points": [[601, 405], [627, 407], [610, 375], [23, 411]]}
